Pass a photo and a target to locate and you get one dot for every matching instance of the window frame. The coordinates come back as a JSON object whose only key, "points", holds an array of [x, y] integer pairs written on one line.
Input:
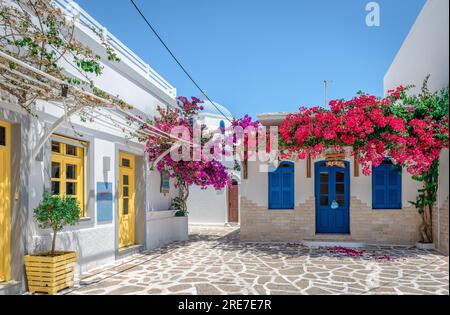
{"points": [[64, 159]]}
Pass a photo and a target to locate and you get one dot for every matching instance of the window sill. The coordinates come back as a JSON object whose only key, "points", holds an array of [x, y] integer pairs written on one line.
{"points": [[85, 219]]}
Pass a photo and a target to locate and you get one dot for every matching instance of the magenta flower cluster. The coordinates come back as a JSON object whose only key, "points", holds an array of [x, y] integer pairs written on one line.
{"points": [[204, 173]]}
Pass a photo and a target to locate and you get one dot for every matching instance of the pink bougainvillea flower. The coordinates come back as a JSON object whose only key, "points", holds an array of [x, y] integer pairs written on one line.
{"points": [[371, 127]]}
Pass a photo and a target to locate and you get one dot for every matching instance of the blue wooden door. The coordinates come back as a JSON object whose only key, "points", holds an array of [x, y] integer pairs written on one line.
{"points": [[332, 186], [281, 187]]}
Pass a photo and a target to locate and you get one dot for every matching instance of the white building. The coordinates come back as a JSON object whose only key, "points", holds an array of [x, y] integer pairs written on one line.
{"points": [[307, 201], [425, 52], [211, 207], [124, 210]]}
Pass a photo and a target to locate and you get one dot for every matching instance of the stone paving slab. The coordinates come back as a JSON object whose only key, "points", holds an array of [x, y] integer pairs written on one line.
{"points": [[215, 262]]}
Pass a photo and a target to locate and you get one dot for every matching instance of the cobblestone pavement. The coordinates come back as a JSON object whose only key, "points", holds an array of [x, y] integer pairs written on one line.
{"points": [[214, 261]]}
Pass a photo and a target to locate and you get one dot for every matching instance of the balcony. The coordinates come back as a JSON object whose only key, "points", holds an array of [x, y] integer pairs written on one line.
{"points": [[89, 26]]}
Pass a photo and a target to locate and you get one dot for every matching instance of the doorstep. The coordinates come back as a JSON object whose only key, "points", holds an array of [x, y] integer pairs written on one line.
{"points": [[333, 237], [333, 241], [232, 224], [10, 288], [129, 251]]}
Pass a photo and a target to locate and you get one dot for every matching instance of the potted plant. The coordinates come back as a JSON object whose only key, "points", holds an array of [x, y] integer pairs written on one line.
{"points": [[52, 271]]}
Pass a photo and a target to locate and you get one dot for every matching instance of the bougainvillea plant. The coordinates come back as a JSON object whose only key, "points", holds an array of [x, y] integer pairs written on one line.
{"points": [[409, 129], [40, 34], [243, 136], [205, 172]]}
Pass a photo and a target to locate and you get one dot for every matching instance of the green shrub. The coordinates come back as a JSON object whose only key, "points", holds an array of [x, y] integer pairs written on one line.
{"points": [[177, 204], [55, 212]]}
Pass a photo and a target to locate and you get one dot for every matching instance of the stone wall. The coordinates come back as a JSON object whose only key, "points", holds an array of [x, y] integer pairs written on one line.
{"points": [[440, 228], [443, 229], [260, 224], [398, 227]]}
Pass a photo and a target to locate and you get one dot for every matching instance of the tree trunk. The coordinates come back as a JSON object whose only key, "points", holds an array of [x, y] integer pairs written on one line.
{"points": [[186, 198], [183, 194], [54, 242], [426, 229]]}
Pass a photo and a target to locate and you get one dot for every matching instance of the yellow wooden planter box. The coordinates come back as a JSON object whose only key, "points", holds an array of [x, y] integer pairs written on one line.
{"points": [[46, 274]]}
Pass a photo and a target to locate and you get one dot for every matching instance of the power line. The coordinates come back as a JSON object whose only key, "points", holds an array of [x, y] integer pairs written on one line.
{"points": [[176, 59]]}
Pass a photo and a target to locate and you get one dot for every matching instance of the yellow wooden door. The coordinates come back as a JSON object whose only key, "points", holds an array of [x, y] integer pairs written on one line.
{"points": [[5, 147], [126, 199]]}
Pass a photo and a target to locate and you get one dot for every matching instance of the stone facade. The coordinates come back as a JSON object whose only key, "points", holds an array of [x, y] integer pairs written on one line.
{"points": [[443, 231], [398, 227], [440, 227], [260, 224]]}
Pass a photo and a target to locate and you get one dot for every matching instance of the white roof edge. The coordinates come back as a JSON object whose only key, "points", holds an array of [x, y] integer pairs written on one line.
{"points": [[127, 56], [266, 116]]}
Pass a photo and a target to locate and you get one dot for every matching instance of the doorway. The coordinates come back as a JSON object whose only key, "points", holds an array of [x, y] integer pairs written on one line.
{"points": [[126, 200], [332, 187], [5, 202], [233, 202]]}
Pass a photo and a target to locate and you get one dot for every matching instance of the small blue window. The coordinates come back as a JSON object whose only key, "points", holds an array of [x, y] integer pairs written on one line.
{"points": [[281, 187], [386, 186]]}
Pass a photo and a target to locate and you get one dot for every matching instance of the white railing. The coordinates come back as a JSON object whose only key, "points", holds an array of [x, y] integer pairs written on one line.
{"points": [[72, 9]]}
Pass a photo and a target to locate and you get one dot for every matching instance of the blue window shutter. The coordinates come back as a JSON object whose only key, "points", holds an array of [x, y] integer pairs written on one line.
{"points": [[275, 189], [281, 187], [288, 188], [394, 188], [386, 187], [379, 188]]}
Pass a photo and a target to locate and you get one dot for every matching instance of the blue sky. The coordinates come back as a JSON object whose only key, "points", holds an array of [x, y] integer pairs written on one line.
{"points": [[259, 56]]}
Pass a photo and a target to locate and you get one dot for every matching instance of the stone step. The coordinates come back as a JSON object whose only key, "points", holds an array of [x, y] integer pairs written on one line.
{"points": [[333, 237], [333, 243], [233, 224]]}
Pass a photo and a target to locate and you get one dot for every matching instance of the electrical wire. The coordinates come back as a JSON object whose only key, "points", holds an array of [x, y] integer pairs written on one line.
{"points": [[176, 59]]}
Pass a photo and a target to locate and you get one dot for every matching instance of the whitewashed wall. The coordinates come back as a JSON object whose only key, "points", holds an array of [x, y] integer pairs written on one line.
{"points": [[207, 206], [425, 50], [95, 243], [163, 228]]}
